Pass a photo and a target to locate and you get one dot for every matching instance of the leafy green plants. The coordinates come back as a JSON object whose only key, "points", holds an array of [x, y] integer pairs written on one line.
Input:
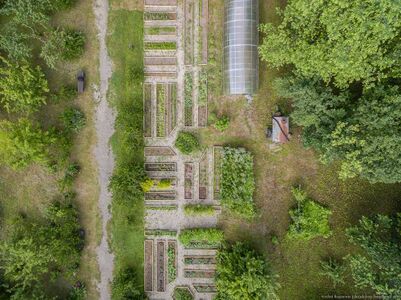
{"points": [[222, 123], [201, 238], [182, 294], [243, 274], [199, 210], [161, 110], [160, 46], [202, 100], [188, 101], [74, 44], [73, 119], [309, 218], [147, 185], [171, 267], [164, 184], [237, 182], [187, 142], [333, 270], [125, 285], [70, 174]]}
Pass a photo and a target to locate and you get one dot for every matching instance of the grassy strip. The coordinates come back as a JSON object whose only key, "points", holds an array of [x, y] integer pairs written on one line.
{"points": [[201, 238], [199, 210], [160, 232], [128, 145], [160, 46], [162, 207]]}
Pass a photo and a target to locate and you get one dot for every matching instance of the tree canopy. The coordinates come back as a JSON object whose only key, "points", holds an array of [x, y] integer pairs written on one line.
{"points": [[243, 274], [343, 41], [379, 265]]}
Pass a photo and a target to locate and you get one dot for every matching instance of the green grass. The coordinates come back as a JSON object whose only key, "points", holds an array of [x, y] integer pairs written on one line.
{"points": [[162, 30], [126, 51]]}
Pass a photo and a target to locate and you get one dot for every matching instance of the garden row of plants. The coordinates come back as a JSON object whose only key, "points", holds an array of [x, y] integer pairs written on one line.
{"points": [[188, 98]]}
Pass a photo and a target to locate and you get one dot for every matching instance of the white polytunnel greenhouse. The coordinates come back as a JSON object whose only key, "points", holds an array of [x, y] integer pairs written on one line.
{"points": [[241, 38]]}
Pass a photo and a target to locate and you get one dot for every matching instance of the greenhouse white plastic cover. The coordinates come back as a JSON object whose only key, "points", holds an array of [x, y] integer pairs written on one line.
{"points": [[241, 40]]}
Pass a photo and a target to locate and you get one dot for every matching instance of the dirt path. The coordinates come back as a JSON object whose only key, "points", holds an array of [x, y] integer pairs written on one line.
{"points": [[104, 127]]}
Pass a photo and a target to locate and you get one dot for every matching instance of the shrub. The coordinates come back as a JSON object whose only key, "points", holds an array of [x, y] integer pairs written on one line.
{"points": [[199, 209], [74, 44], [147, 185], [164, 183], [64, 4], [182, 294], [187, 142], [65, 93], [73, 119], [124, 287], [222, 123], [274, 239], [309, 218], [237, 182], [201, 238], [242, 274], [78, 292], [70, 174], [333, 270]]}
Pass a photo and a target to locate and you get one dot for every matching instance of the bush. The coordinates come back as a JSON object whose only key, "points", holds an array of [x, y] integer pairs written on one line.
{"points": [[187, 142], [65, 93], [64, 4], [74, 44], [199, 210], [201, 238], [124, 286], [73, 119], [78, 292], [309, 218], [333, 270], [242, 274], [147, 185], [70, 174], [182, 294], [222, 123], [164, 184], [237, 182]]}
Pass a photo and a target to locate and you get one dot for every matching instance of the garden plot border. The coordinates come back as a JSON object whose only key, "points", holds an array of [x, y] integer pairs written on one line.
{"points": [[148, 272]]}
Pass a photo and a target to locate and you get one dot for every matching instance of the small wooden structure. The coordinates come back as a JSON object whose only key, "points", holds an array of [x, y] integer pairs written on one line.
{"points": [[281, 129]]}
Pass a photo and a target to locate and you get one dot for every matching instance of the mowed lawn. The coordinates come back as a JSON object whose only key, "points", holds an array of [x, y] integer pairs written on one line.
{"points": [[296, 263], [125, 45]]}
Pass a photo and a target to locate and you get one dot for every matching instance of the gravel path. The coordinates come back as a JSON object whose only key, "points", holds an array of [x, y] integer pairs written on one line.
{"points": [[104, 127]]}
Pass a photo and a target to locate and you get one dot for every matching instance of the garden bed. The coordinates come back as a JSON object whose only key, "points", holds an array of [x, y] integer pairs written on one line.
{"points": [[200, 260], [189, 31], [161, 2], [148, 265], [147, 110], [161, 95], [172, 261], [159, 151], [217, 161], [164, 183], [161, 269], [160, 167], [159, 16], [171, 107], [199, 273], [202, 99], [188, 99], [160, 60], [205, 288], [203, 177], [160, 45], [189, 178], [203, 30], [160, 196], [160, 232], [160, 30]]}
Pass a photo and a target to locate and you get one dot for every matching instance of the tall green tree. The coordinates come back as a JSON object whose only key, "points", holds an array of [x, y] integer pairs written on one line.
{"points": [[379, 265], [343, 41], [244, 275], [23, 142], [23, 88]]}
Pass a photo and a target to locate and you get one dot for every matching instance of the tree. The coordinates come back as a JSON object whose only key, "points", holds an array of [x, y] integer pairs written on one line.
{"points": [[343, 41], [22, 87], [23, 143], [36, 252], [379, 265], [243, 274], [309, 218]]}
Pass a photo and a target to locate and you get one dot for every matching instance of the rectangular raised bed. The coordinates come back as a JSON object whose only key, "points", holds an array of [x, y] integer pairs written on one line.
{"points": [[189, 178], [147, 106], [172, 260], [203, 177], [160, 167], [203, 30], [148, 265], [199, 273], [161, 266], [188, 99], [217, 160], [162, 196], [200, 259], [189, 31], [159, 151]]}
